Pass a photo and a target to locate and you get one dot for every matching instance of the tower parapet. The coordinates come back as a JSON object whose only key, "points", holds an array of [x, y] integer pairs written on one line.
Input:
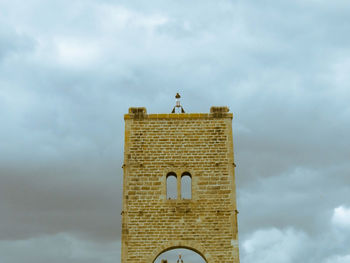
{"points": [[215, 112]]}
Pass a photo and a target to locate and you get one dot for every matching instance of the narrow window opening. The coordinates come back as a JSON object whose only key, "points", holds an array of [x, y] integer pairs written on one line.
{"points": [[186, 186], [171, 186]]}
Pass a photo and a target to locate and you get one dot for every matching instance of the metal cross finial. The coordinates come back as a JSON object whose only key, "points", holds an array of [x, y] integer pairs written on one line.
{"points": [[178, 105]]}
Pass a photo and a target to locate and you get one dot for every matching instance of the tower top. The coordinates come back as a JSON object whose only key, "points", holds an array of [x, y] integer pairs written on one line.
{"points": [[215, 112]]}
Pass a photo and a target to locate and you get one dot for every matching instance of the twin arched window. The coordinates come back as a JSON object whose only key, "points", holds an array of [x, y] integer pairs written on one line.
{"points": [[184, 186]]}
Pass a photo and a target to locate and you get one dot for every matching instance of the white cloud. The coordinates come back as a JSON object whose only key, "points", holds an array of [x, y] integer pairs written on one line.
{"points": [[341, 216], [115, 17], [340, 71], [274, 245], [76, 52], [338, 259]]}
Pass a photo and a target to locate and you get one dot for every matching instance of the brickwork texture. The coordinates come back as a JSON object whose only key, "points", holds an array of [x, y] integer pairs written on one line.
{"points": [[200, 144]]}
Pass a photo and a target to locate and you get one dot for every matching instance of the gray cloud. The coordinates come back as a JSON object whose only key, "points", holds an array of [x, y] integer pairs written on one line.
{"points": [[58, 248], [70, 70], [51, 199]]}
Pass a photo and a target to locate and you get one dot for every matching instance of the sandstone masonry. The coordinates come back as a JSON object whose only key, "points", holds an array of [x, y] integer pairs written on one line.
{"points": [[197, 144]]}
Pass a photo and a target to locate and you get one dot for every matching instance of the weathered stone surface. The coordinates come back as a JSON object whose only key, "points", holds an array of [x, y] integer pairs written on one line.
{"points": [[200, 144]]}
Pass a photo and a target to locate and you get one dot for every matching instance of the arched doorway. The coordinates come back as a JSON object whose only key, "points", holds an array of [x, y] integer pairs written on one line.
{"points": [[188, 255]]}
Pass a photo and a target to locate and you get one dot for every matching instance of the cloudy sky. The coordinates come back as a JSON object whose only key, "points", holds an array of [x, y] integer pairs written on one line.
{"points": [[70, 69]]}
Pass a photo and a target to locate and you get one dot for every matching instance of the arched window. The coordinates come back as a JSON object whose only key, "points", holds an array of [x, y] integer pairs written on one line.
{"points": [[171, 186], [186, 185]]}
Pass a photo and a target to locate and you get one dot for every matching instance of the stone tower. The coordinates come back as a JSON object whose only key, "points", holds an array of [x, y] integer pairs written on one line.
{"points": [[160, 147]]}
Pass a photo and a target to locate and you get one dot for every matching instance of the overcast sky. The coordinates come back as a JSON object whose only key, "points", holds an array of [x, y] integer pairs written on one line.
{"points": [[70, 69]]}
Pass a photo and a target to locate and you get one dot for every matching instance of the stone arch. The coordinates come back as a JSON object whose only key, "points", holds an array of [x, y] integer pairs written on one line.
{"points": [[180, 244]]}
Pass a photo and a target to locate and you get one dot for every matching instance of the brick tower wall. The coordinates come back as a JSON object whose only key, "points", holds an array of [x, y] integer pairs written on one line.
{"points": [[201, 144]]}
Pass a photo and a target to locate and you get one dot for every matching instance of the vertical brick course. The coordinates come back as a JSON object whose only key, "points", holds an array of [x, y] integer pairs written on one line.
{"points": [[201, 144]]}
